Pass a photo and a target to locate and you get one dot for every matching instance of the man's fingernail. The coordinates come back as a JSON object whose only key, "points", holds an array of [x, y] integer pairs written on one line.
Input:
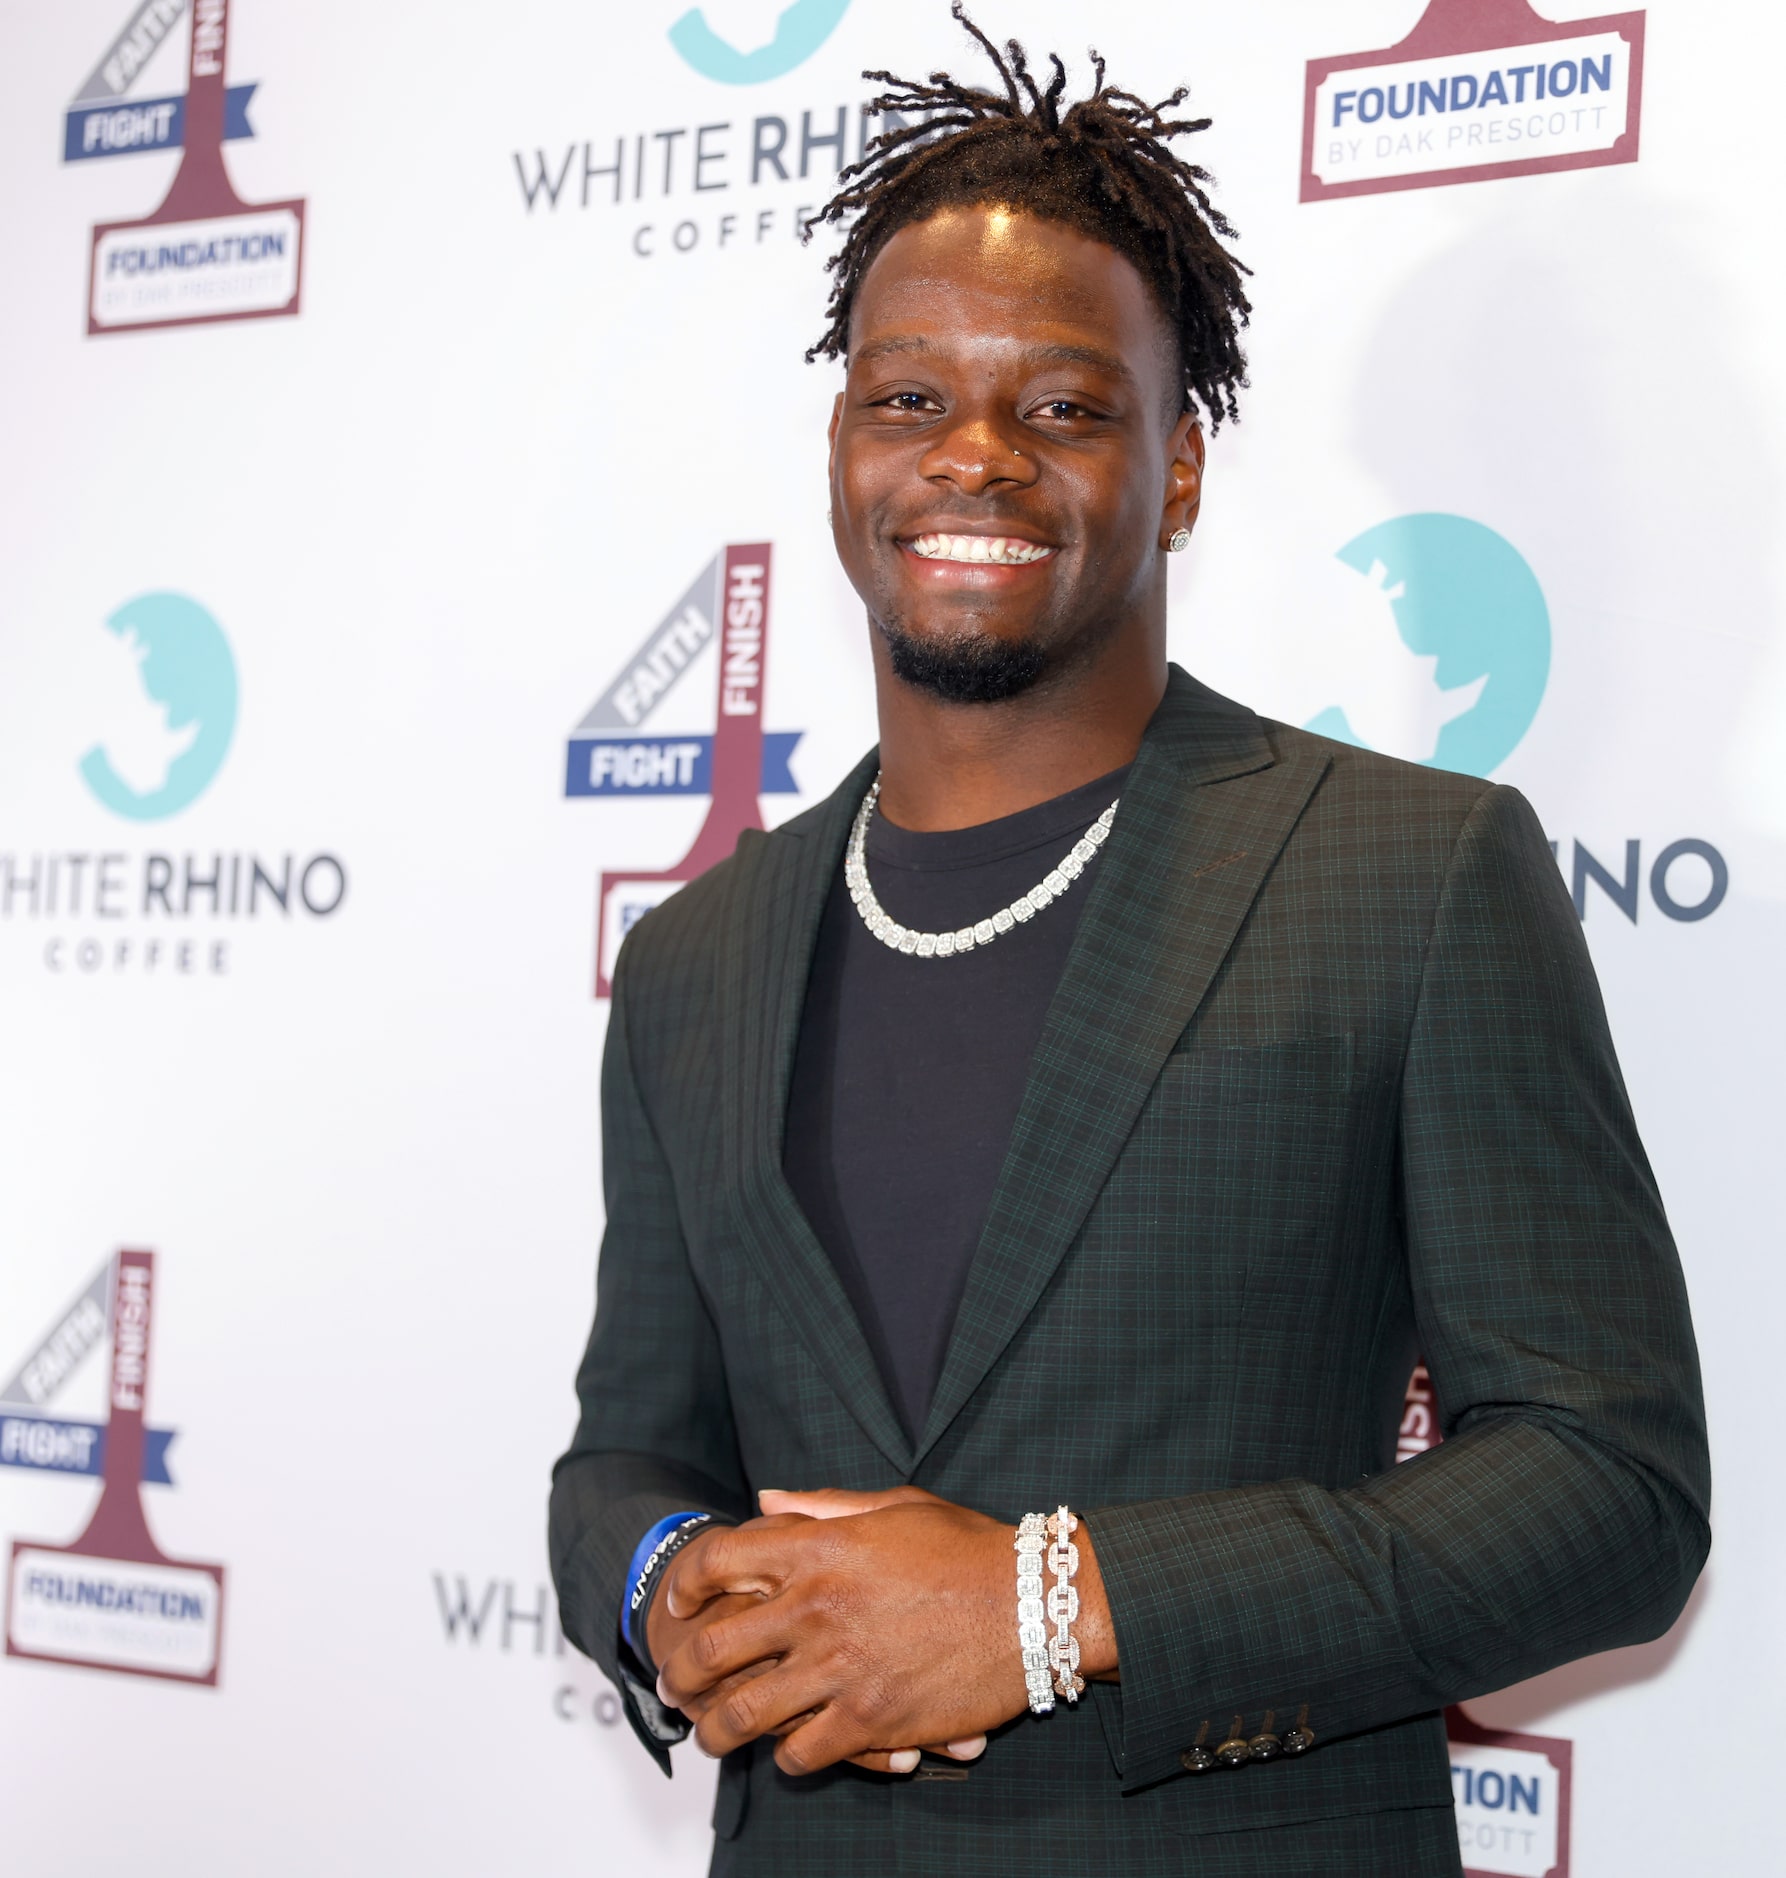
{"points": [[771, 1493], [904, 1761], [969, 1750]]}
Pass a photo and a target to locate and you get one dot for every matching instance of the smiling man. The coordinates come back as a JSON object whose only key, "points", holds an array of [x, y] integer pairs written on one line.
{"points": [[1032, 1173]]}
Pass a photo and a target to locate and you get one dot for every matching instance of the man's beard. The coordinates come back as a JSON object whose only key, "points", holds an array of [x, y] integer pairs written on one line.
{"points": [[976, 669]]}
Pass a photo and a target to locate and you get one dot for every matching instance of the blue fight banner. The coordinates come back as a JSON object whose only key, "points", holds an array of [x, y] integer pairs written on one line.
{"points": [[667, 766], [59, 1447], [118, 128]]}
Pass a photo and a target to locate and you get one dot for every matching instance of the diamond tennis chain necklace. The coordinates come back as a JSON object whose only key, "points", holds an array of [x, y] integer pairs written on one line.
{"points": [[945, 945]]}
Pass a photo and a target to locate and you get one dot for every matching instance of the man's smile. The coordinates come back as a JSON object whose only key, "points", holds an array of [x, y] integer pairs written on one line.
{"points": [[982, 550]]}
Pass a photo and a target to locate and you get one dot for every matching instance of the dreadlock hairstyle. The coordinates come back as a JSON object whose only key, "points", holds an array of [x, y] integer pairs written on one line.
{"points": [[1102, 167]]}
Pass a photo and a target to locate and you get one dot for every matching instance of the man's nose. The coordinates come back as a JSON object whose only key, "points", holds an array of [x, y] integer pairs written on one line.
{"points": [[974, 452]]}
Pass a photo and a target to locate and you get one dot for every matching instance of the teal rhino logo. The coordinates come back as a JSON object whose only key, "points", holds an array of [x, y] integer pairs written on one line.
{"points": [[800, 29], [172, 711], [1472, 616]]}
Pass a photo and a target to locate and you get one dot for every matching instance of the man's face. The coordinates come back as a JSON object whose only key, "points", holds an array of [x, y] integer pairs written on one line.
{"points": [[1008, 452]]}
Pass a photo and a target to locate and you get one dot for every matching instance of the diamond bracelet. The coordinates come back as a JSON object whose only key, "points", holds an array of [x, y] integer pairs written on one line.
{"points": [[1050, 1664], [1063, 1606], [1032, 1634]]}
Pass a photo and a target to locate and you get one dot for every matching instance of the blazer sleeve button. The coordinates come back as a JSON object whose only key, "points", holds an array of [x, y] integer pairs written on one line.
{"points": [[1234, 1752], [1301, 1738], [1197, 1759]]}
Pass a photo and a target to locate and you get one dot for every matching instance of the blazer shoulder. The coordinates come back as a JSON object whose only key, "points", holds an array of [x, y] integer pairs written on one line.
{"points": [[1411, 824], [677, 942], [1218, 739], [667, 948], [1399, 791]]}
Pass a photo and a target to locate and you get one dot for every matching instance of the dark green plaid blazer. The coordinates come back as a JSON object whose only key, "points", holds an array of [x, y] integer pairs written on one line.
{"points": [[1326, 1083]]}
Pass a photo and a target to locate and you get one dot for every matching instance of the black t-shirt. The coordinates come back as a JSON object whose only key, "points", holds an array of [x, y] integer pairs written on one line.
{"points": [[909, 1071]]}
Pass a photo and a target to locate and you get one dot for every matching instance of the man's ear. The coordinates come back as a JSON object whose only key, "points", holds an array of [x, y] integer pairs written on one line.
{"points": [[1184, 478], [831, 436]]}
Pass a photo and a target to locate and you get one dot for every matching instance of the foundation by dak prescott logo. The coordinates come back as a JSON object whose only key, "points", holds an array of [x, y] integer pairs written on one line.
{"points": [[112, 1599], [727, 607], [1464, 683], [1479, 89], [749, 42], [205, 254]]}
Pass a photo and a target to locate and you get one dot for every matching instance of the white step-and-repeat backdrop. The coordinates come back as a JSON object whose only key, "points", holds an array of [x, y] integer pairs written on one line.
{"points": [[384, 389]]}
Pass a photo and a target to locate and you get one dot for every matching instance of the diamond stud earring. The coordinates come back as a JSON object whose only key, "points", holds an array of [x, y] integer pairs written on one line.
{"points": [[1181, 539]]}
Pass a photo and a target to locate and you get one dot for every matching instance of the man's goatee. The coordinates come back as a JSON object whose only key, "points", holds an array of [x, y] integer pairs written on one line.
{"points": [[976, 669]]}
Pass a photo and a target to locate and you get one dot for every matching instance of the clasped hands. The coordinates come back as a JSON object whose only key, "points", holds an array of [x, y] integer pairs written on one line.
{"points": [[856, 1627]]}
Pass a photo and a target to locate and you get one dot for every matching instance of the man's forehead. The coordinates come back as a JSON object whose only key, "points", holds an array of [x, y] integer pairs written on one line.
{"points": [[1028, 346], [990, 276], [995, 252]]}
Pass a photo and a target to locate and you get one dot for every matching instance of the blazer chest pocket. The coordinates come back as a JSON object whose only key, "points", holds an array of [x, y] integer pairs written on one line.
{"points": [[1236, 1167], [1295, 1069], [1246, 1146]]}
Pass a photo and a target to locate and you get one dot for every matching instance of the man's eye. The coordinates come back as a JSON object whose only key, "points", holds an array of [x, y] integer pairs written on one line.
{"points": [[908, 401], [1062, 409]]}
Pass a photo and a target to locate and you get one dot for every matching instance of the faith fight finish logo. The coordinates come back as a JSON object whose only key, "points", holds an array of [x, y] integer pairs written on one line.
{"points": [[205, 254], [610, 753], [105, 120], [113, 1599], [1479, 89]]}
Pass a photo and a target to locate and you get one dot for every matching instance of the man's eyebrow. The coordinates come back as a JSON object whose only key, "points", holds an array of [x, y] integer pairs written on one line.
{"points": [[1083, 355], [882, 348], [1060, 353]]}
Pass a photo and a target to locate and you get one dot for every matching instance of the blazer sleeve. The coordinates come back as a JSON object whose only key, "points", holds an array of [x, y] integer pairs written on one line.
{"points": [[1567, 1510], [655, 1435]]}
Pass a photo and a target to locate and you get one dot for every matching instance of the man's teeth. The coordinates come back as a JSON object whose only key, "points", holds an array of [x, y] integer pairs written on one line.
{"points": [[1005, 549]]}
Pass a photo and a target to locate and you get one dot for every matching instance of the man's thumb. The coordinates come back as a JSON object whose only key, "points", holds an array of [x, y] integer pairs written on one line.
{"points": [[837, 1502]]}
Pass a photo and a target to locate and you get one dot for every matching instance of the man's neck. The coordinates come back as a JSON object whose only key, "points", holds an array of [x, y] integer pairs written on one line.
{"points": [[949, 765]]}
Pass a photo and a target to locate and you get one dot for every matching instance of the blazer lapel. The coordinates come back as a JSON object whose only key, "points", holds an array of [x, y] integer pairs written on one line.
{"points": [[772, 927], [1205, 812]]}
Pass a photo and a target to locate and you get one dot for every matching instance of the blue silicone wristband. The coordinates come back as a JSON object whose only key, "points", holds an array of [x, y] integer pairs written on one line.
{"points": [[649, 1556]]}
